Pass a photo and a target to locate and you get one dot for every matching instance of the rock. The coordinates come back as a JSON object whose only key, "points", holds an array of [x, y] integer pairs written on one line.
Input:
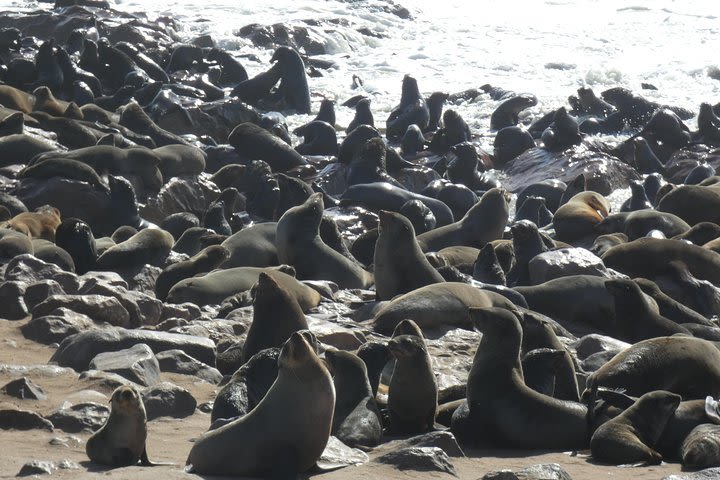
{"points": [[230, 359], [24, 388], [564, 262], [180, 194], [69, 441], [12, 306], [597, 360], [331, 333], [11, 419], [338, 455], [440, 439], [37, 292], [186, 311], [76, 418], [67, 464], [422, 459], [177, 361], [56, 327], [143, 278], [168, 400], [95, 287], [99, 308], [542, 471], [594, 343], [108, 278], [36, 467], [247, 386], [77, 351], [150, 307], [416, 179], [137, 363], [107, 380], [213, 329], [707, 474], [28, 269]]}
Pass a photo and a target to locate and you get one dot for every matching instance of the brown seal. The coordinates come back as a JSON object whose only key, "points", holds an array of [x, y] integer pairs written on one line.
{"points": [[413, 393], [701, 448], [484, 222], [147, 246], [286, 432], [631, 436], [577, 218], [400, 265], [41, 223], [206, 260]]}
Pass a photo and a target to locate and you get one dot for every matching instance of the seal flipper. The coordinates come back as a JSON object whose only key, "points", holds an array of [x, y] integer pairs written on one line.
{"points": [[145, 462]]}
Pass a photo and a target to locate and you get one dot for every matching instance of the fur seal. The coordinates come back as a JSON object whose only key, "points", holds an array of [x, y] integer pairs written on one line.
{"points": [[356, 420], [483, 223], [413, 391], [577, 218], [293, 81], [412, 110], [637, 224], [292, 422], [299, 244], [256, 143], [319, 138], [363, 116], [253, 246], [204, 261], [412, 141], [638, 199], [65, 168], [534, 210], [701, 448], [631, 436], [507, 113], [693, 203], [121, 440], [487, 268], [670, 308], [76, 238], [147, 246], [502, 408], [540, 368], [276, 316], [400, 266], [421, 217], [177, 160], [134, 117], [562, 133], [41, 223], [509, 143], [369, 165]]}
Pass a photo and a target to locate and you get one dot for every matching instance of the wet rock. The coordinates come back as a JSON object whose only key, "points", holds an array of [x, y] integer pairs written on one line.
{"points": [[168, 400], [593, 343], [422, 459], [79, 417], [181, 194], [37, 292], [564, 262], [11, 419], [543, 471], [416, 179], [36, 467], [338, 455], [24, 388], [177, 361], [444, 440], [137, 364], [98, 307], [309, 40], [28, 269], [12, 306], [56, 327], [77, 351]]}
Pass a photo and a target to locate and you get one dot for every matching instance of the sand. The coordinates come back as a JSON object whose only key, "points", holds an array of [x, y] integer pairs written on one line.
{"points": [[169, 439]]}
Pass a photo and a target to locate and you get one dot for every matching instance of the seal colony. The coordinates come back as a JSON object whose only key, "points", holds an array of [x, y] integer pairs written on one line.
{"points": [[160, 178]]}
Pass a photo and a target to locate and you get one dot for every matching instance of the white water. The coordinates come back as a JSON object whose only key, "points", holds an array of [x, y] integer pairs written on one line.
{"points": [[452, 45]]}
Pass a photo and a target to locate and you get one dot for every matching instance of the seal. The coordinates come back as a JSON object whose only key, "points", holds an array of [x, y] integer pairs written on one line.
{"points": [[276, 316], [463, 167], [509, 143], [412, 110], [400, 266], [65, 168], [534, 210], [631, 436], [635, 320], [293, 81], [562, 133], [413, 391], [256, 143], [692, 203], [551, 190], [502, 408], [253, 90], [683, 365], [363, 116], [486, 268], [576, 219], [421, 217], [121, 440], [299, 244], [670, 308], [483, 223], [206, 260], [319, 138], [253, 246], [41, 223], [147, 246], [178, 160], [356, 420], [75, 237], [375, 356], [507, 113], [134, 117], [413, 141], [638, 199], [637, 224], [16, 99], [435, 103], [438, 306], [527, 244], [354, 140], [292, 422], [540, 367], [701, 448], [368, 164]]}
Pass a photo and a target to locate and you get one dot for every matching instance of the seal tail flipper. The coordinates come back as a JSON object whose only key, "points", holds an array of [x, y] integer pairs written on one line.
{"points": [[712, 409]]}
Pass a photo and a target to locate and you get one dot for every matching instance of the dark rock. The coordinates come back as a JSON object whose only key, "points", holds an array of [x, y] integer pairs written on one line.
{"points": [[137, 364], [37, 292], [94, 287], [24, 388], [12, 306], [543, 471], [56, 327], [168, 400], [186, 311], [36, 467], [109, 278], [423, 459], [441, 439], [99, 308], [29, 269], [11, 419], [177, 361], [76, 418], [594, 343], [107, 380], [193, 195], [77, 351]]}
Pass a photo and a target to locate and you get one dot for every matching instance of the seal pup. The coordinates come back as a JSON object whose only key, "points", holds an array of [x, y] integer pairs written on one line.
{"points": [[631, 436], [637, 224], [356, 420], [121, 440], [299, 244], [276, 316], [292, 422], [400, 265], [505, 410], [701, 448], [483, 223], [413, 391], [412, 110], [41, 223], [363, 116]]}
